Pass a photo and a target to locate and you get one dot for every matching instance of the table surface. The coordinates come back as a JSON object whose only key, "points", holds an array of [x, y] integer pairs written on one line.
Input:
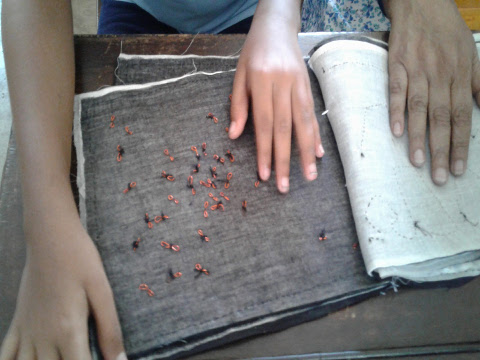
{"points": [[407, 322]]}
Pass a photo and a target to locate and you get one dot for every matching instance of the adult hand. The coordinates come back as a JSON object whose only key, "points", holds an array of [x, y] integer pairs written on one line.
{"points": [[272, 74], [433, 69], [62, 282]]}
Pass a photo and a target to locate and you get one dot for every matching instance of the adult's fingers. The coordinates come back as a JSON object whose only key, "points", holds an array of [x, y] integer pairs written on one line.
{"points": [[106, 319], [239, 105], [417, 104], [398, 83], [9, 348], [462, 107], [282, 134], [439, 115], [262, 107], [303, 120]]}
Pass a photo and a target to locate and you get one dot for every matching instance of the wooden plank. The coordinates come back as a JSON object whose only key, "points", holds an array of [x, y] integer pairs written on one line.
{"points": [[471, 17], [468, 3]]}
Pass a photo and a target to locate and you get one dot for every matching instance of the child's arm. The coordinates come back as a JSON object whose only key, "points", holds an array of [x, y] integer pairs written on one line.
{"points": [[272, 74], [63, 279], [434, 70]]}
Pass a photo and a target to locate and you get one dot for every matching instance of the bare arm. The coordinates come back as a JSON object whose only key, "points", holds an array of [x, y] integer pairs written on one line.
{"points": [[63, 278]]}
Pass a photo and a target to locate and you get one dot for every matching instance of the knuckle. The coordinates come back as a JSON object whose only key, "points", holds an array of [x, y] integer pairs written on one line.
{"points": [[284, 127], [416, 138], [462, 117], [396, 87], [66, 326], [460, 146], [441, 117], [417, 104], [263, 127]]}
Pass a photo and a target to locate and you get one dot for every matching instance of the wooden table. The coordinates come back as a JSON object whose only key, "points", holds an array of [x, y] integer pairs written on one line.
{"points": [[407, 323]]}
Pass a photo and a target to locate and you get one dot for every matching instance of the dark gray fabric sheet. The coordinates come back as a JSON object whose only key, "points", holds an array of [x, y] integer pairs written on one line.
{"points": [[268, 270]]}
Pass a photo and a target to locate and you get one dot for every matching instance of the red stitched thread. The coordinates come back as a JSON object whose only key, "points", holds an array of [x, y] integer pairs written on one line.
{"points": [[230, 156], [171, 198], [218, 205], [147, 220], [166, 152], [204, 149], [203, 236], [227, 182], [169, 177], [211, 183], [121, 151], [224, 196], [130, 187], [205, 184], [196, 168], [257, 183], [190, 184], [355, 246], [205, 213], [322, 236], [244, 205], [230, 97], [213, 171], [219, 159], [194, 149], [144, 287], [160, 218], [112, 119], [135, 244], [211, 116], [226, 129], [129, 132], [201, 270], [172, 276], [166, 245]]}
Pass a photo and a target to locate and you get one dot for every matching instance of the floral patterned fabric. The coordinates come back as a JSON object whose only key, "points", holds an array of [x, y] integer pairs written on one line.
{"points": [[343, 15]]}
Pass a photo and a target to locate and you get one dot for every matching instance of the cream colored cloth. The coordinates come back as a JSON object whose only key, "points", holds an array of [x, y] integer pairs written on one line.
{"points": [[406, 225]]}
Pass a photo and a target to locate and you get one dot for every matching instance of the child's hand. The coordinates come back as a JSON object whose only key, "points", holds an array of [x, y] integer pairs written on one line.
{"points": [[62, 282], [271, 72], [434, 69]]}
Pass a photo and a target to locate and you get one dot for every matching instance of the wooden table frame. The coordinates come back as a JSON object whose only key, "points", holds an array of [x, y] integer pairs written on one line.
{"points": [[432, 323]]}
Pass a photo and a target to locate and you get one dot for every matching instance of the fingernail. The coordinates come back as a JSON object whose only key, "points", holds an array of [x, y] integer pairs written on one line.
{"points": [[458, 167], [440, 176], [312, 171], [232, 127], [320, 151], [419, 157], [397, 129], [284, 184], [265, 173], [121, 356]]}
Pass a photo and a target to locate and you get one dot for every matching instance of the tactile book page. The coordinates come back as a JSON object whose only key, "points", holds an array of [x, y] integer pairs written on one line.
{"points": [[407, 226], [267, 263]]}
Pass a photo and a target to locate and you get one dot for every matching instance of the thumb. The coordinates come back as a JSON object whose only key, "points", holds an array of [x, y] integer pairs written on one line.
{"points": [[108, 327], [476, 79], [239, 106]]}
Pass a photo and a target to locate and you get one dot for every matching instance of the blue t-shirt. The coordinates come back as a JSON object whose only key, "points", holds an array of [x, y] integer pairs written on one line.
{"points": [[198, 16]]}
